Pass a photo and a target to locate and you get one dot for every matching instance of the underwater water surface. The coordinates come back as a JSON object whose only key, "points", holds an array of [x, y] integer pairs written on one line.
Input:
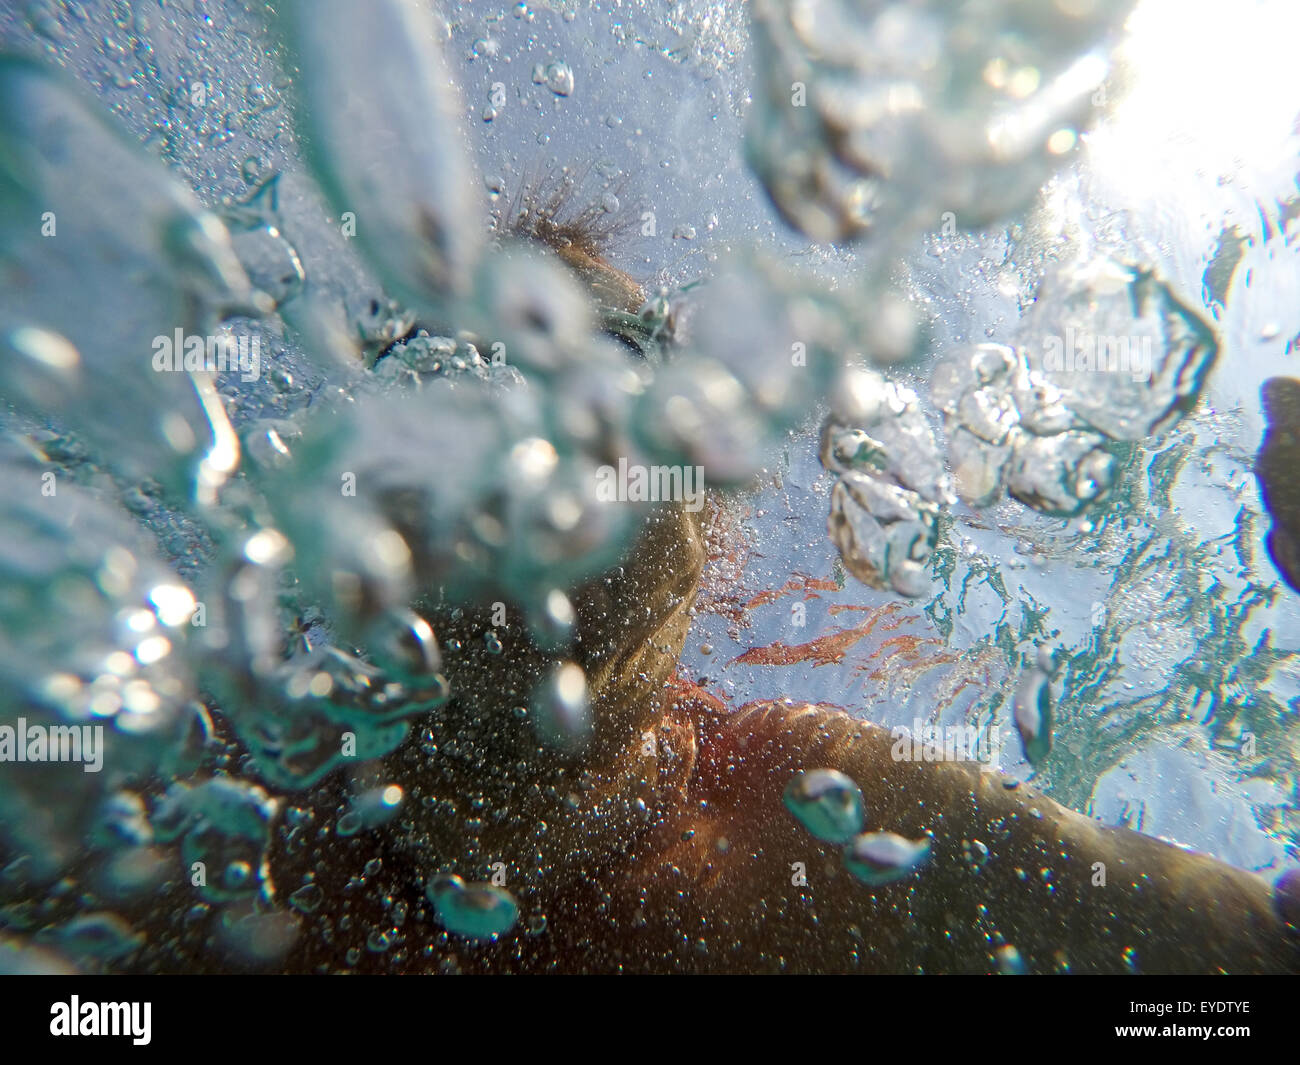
{"points": [[461, 460]]}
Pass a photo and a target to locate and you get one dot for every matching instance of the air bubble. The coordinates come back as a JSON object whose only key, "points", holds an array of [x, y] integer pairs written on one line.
{"points": [[882, 857], [827, 803]]}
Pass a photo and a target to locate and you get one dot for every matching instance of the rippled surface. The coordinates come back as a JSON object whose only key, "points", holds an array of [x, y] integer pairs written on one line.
{"points": [[975, 405]]}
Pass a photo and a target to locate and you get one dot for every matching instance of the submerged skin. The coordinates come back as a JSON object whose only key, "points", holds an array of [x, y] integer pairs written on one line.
{"points": [[700, 880], [716, 875], [662, 844], [1038, 889], [610, 286]]}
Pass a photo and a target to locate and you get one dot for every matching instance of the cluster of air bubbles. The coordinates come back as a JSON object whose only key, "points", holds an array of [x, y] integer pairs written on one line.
{"points": [[891, 482], [886, 112], [521, 517], [1126, 356], [1009, 433], [763, 349], [302, 708], [376, 516], [422, 356], [224, 829], [321, 709], [93, 671], [81, 358], [117, 617], [830, 807], [1106, 355]]}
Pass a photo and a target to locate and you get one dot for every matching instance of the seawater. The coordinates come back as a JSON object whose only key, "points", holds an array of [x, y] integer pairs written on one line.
{"points": [[993, 501]]}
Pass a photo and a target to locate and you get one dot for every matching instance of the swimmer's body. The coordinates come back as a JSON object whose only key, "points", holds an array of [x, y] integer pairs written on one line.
{"points": [[663, 845], [703, 876], [710, 880]]}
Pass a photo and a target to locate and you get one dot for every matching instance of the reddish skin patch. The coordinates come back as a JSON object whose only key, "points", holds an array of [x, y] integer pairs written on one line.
{"points": [[912, 646], [888, 608], [823, 651], [882, 672], [712, 716], [714, 878], [689, 696], [800, 582]]}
